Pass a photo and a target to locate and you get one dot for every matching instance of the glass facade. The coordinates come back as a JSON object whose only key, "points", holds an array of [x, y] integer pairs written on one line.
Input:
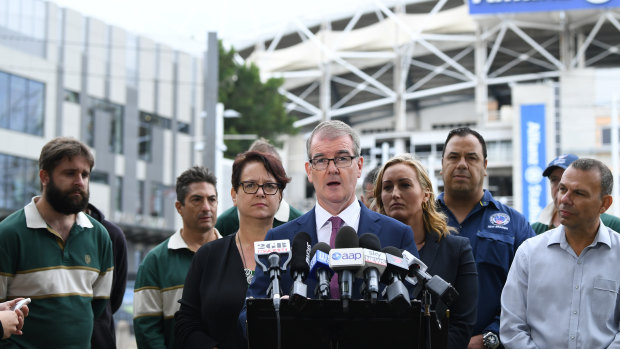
{"points": [[22, 25], [21, 104], [19, 181], [157, 199], [117, 115], [145, 132]]}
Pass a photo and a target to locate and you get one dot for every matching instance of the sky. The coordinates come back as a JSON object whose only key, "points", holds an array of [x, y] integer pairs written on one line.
{"points": [[184, 24]]}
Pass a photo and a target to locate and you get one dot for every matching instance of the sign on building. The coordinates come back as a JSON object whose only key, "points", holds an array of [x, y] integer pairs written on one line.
{"points": [[512, 6]]}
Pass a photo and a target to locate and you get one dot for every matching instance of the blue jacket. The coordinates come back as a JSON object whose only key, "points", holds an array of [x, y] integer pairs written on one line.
{"points": [[451, 258], [390, 232], [495, 231]]}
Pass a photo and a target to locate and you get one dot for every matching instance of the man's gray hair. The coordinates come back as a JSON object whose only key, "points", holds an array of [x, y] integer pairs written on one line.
{"points": [[607, 179], [332, 129]]}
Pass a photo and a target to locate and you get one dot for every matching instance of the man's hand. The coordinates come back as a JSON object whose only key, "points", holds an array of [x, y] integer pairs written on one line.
{"points": [[475, 342], [11, 316], [10, 323]]}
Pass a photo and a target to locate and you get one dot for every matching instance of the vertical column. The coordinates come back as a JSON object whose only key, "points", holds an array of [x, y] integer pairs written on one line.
{"points": [[400, 105], [400, 80], [480, 56], [325, 90], [210, 77]]}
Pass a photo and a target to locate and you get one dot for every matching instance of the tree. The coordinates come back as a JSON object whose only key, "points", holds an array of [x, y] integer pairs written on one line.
{"points": [[260, 104]]}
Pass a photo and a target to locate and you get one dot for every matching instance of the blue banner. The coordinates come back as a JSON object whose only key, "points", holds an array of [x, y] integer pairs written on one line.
{"points": [[510, 6], [533, 150]]}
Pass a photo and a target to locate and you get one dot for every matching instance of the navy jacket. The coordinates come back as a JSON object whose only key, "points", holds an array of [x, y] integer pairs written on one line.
{"points": [[451, 258], [104, 335], [495, 231], [390, 232]]}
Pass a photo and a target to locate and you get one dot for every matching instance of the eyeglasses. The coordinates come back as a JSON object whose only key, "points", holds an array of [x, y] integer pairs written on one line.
{"points": [[321, 164], [268, 188]]}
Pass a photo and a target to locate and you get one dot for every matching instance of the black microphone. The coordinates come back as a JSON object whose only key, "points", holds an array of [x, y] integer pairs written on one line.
{"points": [[273, 249], [320, 270], [396, 270], [299, 269], [434, 283], [346, 258], [374, 265]]}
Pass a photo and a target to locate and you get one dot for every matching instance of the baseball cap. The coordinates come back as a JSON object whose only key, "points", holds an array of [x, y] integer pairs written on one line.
{"points": [[562, 161]]}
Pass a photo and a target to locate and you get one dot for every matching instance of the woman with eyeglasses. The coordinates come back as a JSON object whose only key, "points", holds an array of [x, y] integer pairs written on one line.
{"points": [[404, 191], [221, 271]]}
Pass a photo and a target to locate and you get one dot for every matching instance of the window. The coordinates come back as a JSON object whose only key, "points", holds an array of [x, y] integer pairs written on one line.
{"points": [[606, 136], [145, 132], [183, 127], [72, 97], [500, 185], [21, 104], [140, 198], [145, 136], [119, 194], [99, 177], [117, 114], [19, 181], [157, 199]]}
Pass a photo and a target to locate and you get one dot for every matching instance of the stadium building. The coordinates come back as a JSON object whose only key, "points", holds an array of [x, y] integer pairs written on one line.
{"points": [[534, 79]]}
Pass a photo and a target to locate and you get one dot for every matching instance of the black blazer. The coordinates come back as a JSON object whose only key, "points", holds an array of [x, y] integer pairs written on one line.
{"points": [[451, 258]]}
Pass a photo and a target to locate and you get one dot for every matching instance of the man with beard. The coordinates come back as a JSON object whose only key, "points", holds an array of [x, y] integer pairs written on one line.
{"points": [[161, 276], [55, 254]]}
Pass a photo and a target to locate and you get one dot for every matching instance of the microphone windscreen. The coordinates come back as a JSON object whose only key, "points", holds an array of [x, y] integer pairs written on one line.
{"points": [[370, 241], [300, 251], [321, 246], [393, 251], [346, 238]]}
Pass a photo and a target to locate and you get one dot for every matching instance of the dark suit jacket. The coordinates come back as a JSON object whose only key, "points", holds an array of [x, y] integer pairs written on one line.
{"points": [[451, 258], [390, 232], [104, 335]]}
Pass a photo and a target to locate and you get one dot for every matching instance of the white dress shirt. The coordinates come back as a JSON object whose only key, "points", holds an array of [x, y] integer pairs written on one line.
{"points": [[350, 216]]}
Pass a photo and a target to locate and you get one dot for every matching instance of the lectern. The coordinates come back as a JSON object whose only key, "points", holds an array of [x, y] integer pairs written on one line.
{"points": [[323, 324]]}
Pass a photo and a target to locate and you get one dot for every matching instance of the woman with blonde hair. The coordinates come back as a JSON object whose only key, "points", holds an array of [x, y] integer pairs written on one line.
{"points": [[404, 191]]}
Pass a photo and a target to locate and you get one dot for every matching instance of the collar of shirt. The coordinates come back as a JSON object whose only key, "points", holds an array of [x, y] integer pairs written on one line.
{"points": [[283, 212], [350, 216], [176, 241], [546, 215], [486, 200], [35, 221], [558, 236]]}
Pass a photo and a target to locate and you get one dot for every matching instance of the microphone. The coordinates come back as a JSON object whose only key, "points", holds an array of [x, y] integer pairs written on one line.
{"points": [[374, 265], [435, 284], [413, 263], [273, 249], [396, 270], [299, 269], [320, 270], [346, 259]]}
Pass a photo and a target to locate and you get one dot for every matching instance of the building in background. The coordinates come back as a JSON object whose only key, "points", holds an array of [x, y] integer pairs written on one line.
{"points": [[535, 84], [535, 78], [137, 103]]}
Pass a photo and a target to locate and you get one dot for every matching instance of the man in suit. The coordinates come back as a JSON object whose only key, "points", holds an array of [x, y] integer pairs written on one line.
{"points": [[333, 168]]}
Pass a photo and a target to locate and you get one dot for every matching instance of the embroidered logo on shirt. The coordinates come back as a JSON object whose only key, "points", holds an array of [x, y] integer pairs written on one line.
{"points": [[500, 219], [87, 259]]}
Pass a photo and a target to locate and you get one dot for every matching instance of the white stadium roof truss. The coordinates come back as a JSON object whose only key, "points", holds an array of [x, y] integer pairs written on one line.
{"points": [[401, 57]]}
